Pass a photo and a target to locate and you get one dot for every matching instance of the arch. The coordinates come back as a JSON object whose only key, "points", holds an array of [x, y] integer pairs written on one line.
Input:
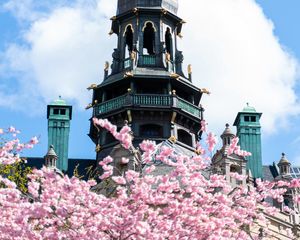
{"points": [[128, 35], [145, 25], [184, 137], [151, 131], [149, 37]]}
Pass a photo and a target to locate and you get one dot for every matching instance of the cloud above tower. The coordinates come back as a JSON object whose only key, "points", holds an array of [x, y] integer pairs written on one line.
{"points": [[231, 45]]}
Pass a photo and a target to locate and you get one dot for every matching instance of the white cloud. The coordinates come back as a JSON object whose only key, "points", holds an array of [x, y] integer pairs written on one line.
{"points": [[63, 51], [236, 55], [230, 43]]}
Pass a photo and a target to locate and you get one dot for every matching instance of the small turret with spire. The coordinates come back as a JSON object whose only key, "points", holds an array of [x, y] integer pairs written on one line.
{"points": [[50, 158], [284, 166], [227, 136]]}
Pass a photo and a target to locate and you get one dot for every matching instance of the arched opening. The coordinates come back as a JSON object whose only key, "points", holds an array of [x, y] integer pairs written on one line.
{"points": [[151, 131], [129, 40], [149, 38], [168, 40], [185, 137]]}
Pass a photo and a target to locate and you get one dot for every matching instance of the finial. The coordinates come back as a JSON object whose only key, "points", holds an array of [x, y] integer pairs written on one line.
{"points": [[98, 148], [247, 104], [106, 66], [59, 96], [227, 125], [283, 154], [51, 146], [190, 69]]}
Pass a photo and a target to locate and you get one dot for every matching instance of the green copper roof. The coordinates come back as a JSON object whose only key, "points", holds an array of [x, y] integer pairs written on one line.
{"points": [[59, 102], [249, 109]]}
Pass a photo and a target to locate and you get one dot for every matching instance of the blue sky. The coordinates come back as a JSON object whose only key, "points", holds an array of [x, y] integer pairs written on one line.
{"points": [[243, 51]]}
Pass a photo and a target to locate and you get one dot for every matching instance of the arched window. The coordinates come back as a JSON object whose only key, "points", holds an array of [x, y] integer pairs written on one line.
{"points": [[129, 38], [149, 38], [151, 131], [185, 137], [168, 40]]}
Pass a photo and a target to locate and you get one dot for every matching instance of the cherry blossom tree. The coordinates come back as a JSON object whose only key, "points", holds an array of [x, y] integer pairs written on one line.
{"points": [[182, 204]]}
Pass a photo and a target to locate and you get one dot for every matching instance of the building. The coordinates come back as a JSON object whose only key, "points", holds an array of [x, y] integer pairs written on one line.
{"points": [[148, 90]]}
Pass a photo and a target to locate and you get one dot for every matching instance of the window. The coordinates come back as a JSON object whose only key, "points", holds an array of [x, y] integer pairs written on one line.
{"points": [[247, 119], [129, 38], [168, 39], [149, 38], [253, 119], [234, 169], [62, 124], [62, 111], [56, 111], [185, 137], [151, 131]]}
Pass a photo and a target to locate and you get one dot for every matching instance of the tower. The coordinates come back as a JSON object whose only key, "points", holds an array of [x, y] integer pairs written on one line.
{"points": [[225, 163], [248, 127], [147, 87], [59, 115]]}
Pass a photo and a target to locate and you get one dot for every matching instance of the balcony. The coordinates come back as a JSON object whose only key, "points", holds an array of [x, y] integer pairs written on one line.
{"points": [[147, 100]]}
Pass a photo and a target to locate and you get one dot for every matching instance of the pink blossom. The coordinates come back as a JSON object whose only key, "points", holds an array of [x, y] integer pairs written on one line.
{"points": [[180, 204], [34, 141], [203, 126], [119, 180], [211, 141]]}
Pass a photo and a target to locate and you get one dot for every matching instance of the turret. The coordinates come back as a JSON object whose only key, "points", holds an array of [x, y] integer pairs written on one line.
{"points": [[284, 166], [50, 158]]}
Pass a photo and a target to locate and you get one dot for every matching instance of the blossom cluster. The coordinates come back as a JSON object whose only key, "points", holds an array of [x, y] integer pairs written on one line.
{"points": [[10, 149], [181, 204]]}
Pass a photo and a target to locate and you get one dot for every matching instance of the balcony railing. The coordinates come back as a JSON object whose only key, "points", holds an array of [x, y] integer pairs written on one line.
{"points": [[148, 100], [149, 60], [188, 107], [152, 100], [110, 105], [127, 63]]}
